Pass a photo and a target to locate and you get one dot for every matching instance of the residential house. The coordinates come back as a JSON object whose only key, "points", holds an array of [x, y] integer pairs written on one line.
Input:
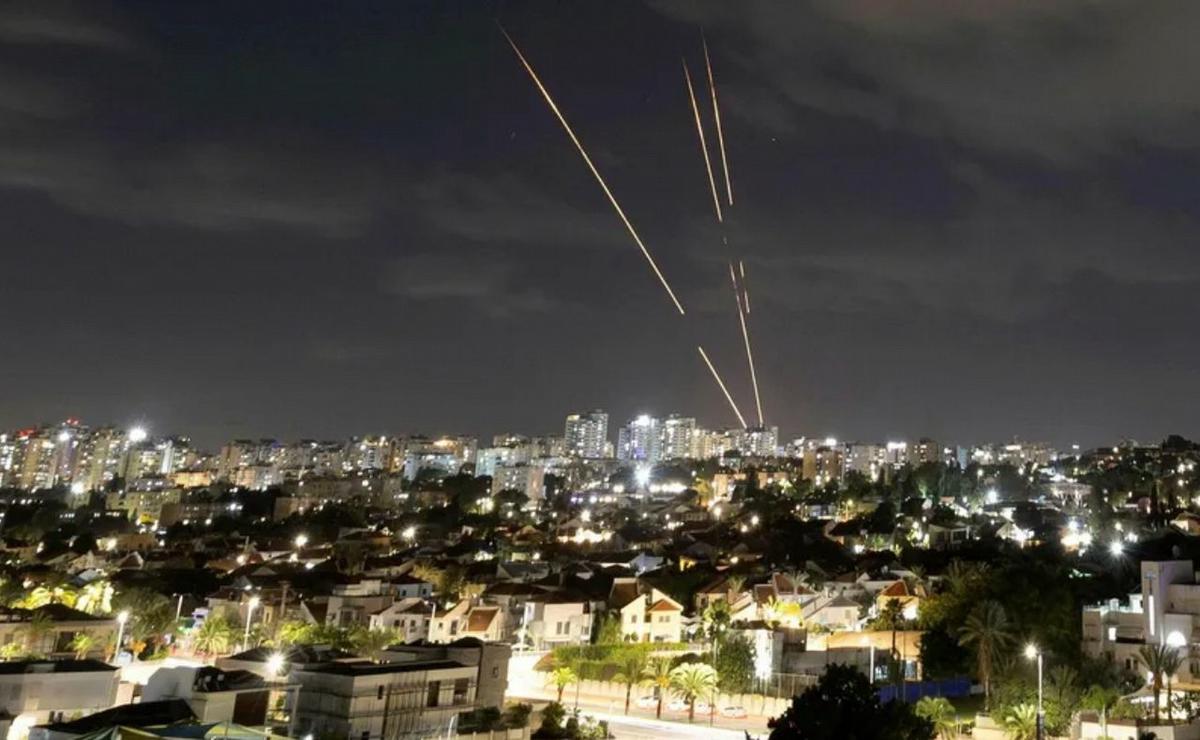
{"points": [[646, 617], [554, 619]]}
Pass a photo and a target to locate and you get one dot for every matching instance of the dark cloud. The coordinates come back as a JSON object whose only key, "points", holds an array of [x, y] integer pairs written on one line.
{"points": [[941, 206], [1061, 79]]}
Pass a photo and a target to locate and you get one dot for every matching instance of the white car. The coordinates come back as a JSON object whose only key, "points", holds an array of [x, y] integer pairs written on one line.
{"points": [[677, 705], [647, 702], [703, 707], [733, 712]]}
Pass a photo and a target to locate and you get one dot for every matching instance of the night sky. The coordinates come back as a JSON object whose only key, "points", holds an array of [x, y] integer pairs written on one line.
{"points": [[960, 219]]}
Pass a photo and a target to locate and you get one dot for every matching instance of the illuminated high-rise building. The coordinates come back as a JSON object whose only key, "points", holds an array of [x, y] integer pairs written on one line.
{"points": [[640, 440], [678, 437], [586, 434]]}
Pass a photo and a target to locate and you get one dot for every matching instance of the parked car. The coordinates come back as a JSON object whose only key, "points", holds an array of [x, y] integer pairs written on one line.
{"points": [[733, 712], [647, 702], [703, 707], [677, 705]]}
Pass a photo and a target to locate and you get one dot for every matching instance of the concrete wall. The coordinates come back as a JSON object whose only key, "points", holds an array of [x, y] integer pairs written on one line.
{"points": [[754, 703], [1126, 730]]}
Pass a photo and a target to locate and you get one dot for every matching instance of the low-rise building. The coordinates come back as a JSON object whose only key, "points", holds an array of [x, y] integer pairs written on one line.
{"points": [[36, 692]]}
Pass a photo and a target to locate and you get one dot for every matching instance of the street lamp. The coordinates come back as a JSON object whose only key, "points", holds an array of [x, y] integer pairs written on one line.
{"points": [[1032, 652], [275, 664], [122, 618], [301, 540], [251, 606]]}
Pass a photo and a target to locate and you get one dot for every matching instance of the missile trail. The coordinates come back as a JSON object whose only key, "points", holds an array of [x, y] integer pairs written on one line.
{"points": [[721, 383], [745, 287], [749, 355], [712, 88], [596, 173], [712, 183]]}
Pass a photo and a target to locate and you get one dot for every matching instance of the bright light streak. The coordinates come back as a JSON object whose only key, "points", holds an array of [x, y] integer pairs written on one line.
{"points": [[596, 173], [745, 287], [717, 377], [712, 88], [749, 354], [712, 183]]}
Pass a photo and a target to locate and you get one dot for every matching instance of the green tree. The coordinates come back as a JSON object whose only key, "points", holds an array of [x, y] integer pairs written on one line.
{"points": [[151, 615], [734, 663], [658, 675], [37, 630], [940, 713], [1101, 699], [1161, 661], [844, 704], [1020, 722], [989, 633], [372, 642], [83, 643], [632, 668], [1062, 697], [215, 636], [608, 630], [691, 681], [561, 678]]}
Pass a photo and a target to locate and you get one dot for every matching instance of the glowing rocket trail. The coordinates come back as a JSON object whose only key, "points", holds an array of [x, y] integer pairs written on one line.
{"points": [[712, 88], [712, 183], [721, 383], [749, 358], [745, 287], [588, 161]]}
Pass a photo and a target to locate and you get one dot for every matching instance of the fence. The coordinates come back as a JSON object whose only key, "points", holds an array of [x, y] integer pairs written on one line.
{"points": [[911, 691]]}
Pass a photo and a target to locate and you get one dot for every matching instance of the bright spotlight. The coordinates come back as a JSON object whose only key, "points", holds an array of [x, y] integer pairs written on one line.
{"points": [[137, 434]]}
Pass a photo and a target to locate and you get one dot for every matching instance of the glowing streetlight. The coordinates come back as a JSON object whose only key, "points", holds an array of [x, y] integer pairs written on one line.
{"points": [[409, 533], [275, 664], [122, 618], [642, 476], [137, 434], [1032, 652], [250, 607], [1116, 549], [301, 540]]}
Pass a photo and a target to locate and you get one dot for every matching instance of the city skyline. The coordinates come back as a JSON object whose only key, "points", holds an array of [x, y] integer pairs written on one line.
{"points": [[373, 217]]}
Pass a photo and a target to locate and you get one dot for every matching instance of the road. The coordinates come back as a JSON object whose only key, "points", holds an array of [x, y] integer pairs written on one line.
{"points": [[641, 723]]}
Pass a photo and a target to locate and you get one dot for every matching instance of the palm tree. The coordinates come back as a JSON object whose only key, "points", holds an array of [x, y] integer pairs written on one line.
{"points": [[631, 673], [940, 713], [36, 631], [372, 642], [1160, 661], [733, 587], [215, 635], [716, 618], [95, 598], [1101, 699], [82, 644], [561, 678], [1170, 666], [891, 616], [691, 681], [658, 675], [989, 632], [1021, 722]]}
